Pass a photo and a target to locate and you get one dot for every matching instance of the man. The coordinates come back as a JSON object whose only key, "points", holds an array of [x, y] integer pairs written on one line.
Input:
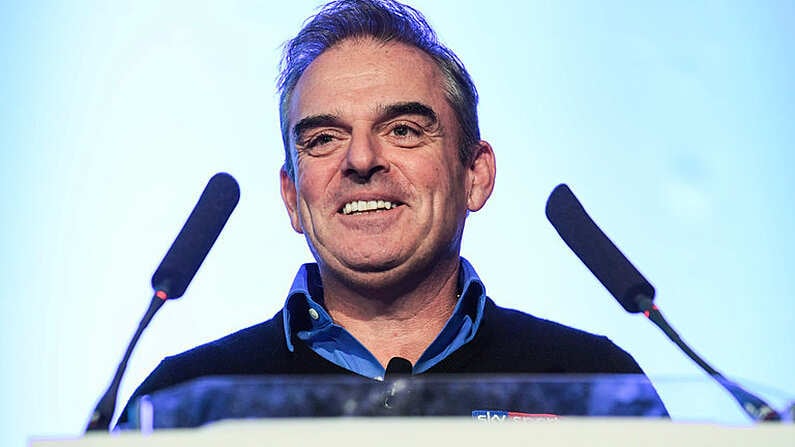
{"points": [[383, 163]]}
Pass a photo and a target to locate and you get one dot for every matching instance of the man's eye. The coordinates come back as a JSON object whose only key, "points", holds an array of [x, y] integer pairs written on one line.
{"points": [[403, 130], [318, 140]]}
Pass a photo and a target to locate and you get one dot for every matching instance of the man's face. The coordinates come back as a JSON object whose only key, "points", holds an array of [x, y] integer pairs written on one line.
{"points": [[380, 192]]}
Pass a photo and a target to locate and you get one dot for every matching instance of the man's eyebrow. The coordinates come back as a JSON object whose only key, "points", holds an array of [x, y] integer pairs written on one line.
{"points": [[385, 113], [313, 121], [390, 111]]}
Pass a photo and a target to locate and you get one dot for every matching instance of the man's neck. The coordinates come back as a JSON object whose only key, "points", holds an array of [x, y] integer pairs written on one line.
{"points": [[396, 322]]}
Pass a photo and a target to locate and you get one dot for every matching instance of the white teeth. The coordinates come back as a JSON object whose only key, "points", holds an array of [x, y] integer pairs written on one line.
{"points": [[367, 205]]}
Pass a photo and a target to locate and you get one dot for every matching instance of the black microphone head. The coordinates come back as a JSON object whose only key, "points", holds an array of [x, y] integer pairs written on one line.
{"points": [[595, 249], [197, 236], [398, 366]]}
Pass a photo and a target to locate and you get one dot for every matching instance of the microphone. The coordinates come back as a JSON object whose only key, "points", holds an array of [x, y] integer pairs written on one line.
{"points": [[175, 272], [629, 287], [197, 236], [398, 370], [595, 249], [397, 366]]}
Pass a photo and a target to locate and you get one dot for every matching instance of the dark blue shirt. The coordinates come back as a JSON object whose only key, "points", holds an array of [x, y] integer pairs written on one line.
{"points": [[306, 319]]}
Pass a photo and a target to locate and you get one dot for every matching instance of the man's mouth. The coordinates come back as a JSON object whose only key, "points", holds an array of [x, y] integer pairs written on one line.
{"points": [[365, 206]]}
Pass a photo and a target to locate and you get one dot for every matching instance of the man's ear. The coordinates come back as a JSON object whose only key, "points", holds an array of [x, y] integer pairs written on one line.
{"points": [[481, 171], [290, 198]]}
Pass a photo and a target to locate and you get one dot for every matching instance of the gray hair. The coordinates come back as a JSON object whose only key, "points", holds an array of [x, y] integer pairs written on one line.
{"points": [[385, 21]]}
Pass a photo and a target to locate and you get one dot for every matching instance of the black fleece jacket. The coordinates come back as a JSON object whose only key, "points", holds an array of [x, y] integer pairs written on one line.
{"points": [[508, 341]]}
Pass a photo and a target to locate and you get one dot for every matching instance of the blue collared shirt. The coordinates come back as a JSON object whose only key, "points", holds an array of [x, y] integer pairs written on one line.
{"points": [[305, 318]]}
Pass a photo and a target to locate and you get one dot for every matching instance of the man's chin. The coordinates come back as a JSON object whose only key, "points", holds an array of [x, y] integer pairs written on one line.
{"points": [[370, 274], [369, 267]]}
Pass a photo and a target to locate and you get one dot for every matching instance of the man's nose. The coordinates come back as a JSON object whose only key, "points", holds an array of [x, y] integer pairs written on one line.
{"points": [[365, 157]]}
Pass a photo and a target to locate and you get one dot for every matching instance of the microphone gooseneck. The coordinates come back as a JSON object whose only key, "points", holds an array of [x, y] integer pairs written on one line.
{"points": [[102, 415], [753, 405], [629, 287], [175, 272]]}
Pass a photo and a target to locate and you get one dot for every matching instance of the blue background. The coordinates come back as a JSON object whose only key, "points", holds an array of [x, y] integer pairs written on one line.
{"points": [[672, 121]]}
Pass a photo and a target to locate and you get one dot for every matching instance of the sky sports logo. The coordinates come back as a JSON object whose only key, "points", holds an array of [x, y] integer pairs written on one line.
{"points": [[490, 416]]}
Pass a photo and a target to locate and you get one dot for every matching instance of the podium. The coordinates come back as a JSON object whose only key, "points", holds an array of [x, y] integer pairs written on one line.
{"points": [[211, 399], [402, 432], [610, 410]]}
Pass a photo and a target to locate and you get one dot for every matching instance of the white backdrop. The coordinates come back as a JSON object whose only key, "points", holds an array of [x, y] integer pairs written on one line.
{"points": [[672, 123]]}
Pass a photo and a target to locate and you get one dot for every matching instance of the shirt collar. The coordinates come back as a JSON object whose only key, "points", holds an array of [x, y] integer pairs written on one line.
{"points": [[306, 293], [305, 301], [473, 295]]}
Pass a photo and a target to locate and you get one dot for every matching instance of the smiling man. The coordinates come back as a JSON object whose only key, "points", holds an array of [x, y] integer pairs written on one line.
{"points": [[383, 164], [380, 192]]}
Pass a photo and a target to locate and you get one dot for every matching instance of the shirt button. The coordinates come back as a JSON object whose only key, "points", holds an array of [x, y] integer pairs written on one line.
{"points": [[313, 314]]}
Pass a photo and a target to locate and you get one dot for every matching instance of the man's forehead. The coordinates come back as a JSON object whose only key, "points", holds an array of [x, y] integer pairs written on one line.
{"points": [[369, 75]]}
